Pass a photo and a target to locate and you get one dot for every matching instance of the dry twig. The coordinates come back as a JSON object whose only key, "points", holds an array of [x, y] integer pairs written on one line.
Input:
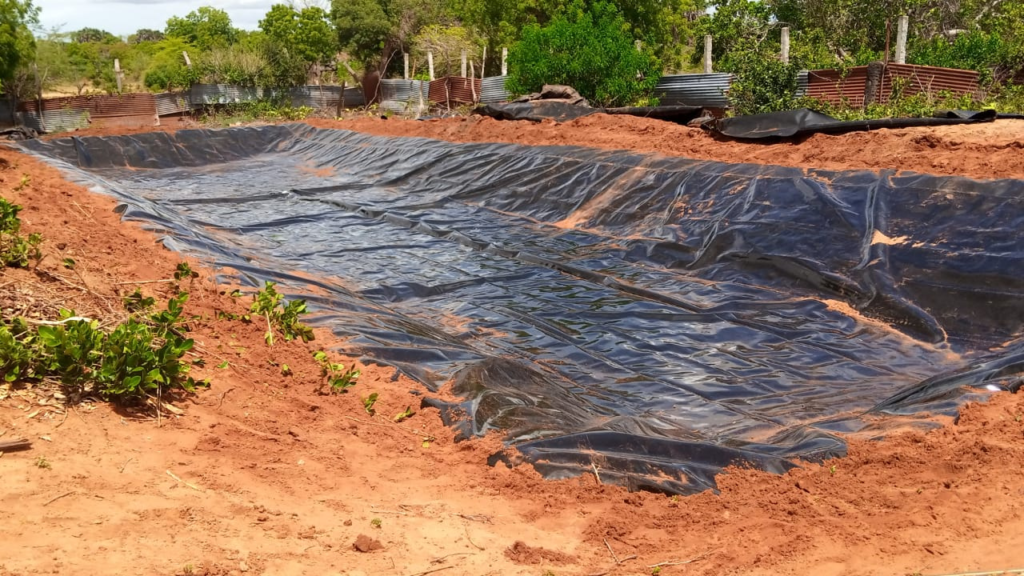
{"points": [[610, 551], [52, 500], [192, 486], [681, 562]]}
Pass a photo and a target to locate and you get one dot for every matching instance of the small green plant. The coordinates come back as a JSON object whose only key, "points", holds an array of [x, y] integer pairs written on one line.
{"points": [[280, 314], [42, 462], [223, 365], [25, 181], [335, 375], [376, 523], [68, 263], [183, 271], [137, 302], [16, 251], [286, 370], [169, 320], [655, 571], [407, 413], [832, 470], [188, 570], [368, 403]]}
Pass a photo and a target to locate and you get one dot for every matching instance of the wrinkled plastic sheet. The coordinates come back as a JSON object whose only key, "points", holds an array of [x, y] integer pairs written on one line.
{"points": [[541, 110], [803, 122], [659, 318]]}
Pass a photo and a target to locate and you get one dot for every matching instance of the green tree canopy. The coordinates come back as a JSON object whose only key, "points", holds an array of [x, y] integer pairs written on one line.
{"points": [[93, 35], [204, 28], [146, 35], [306, 32], [17, 44], [588, 48]]}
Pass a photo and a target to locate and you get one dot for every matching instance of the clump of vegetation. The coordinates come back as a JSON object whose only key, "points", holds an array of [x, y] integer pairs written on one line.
{"points": [[16, 251], [336, 377], [139, 357], [280, 314], [137, 301], [368, 403], [589, 48], [407, 413], [762, 82]]}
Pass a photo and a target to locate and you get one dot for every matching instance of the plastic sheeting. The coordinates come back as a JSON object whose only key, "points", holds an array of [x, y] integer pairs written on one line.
{"points": [[659, 318], [541, 110], [803, 122]]}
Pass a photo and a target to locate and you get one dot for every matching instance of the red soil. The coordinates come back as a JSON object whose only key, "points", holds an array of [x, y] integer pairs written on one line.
{"points": [[983, 151], [262, 475]]}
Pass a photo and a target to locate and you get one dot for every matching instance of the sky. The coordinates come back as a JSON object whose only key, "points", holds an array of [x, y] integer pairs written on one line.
{"points": [[123, 17]]}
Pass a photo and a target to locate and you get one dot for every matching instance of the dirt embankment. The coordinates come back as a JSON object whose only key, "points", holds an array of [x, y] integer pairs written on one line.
{"points": [[984, 151], [262, 475]]}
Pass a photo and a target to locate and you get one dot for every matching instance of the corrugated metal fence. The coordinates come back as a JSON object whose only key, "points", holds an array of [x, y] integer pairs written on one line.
{"points": [[838, 87], [706, 90]]}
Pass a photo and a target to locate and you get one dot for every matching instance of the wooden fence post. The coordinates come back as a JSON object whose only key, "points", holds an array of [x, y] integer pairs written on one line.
{"points": [[188, 62], [504, 61], [430, 64], [483, 63], [707, 54], [463, 63], [405, 56], [472, 80]]}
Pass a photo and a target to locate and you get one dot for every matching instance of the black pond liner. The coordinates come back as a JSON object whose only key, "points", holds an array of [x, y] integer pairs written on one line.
{"points": [[804, 122], [658, 318], [541, 110]]}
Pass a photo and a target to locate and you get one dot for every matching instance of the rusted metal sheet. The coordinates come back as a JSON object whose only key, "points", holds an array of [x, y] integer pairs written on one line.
{"points": [[455, 91], [98, 106], [834, 87], [929, 80]]}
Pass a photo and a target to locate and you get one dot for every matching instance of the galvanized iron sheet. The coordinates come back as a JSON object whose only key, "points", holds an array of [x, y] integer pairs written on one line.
{"points": [[707, 90], [492, 90]]}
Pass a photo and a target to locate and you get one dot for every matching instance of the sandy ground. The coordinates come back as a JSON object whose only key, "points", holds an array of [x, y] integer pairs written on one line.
{"points": [[262, 475]]}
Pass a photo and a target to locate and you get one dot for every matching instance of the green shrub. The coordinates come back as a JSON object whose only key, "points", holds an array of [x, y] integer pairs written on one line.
{"points": [[16, 251], [281, 314], [134, 364], [762, 82], [588, 49], [974, 50]]}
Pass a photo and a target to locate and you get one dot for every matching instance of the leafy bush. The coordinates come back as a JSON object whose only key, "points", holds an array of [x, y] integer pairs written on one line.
{"points": [[336, 376], [134, 364], [281, 314], [138, 357], [763, 83], [588, 49], [974, 50], [16, 251]]}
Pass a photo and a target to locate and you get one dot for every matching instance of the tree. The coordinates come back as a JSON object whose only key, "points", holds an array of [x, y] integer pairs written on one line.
{"points": [[167, 70], [17, 45], [589, 49], [204, 28], [146, 35], [93, 35], [307, 32], [447, 44], [373, 31]]}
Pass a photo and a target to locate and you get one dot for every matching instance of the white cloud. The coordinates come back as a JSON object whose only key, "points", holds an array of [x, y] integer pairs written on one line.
{"points": [[123, 17]]}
